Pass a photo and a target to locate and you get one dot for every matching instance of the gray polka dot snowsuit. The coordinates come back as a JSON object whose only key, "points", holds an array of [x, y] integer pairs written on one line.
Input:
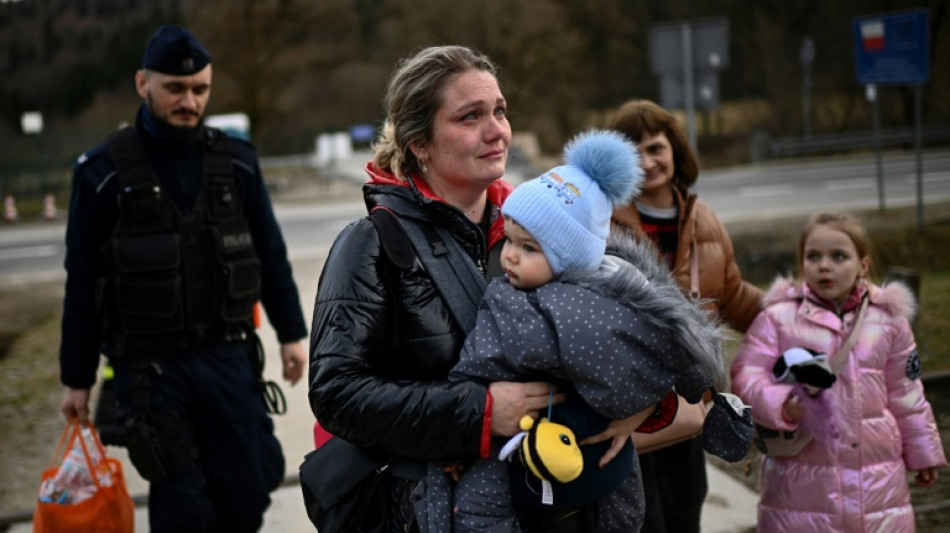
{"points": [[622, 337]]}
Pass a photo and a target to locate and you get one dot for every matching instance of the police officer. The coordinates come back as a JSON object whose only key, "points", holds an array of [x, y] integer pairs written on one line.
{"points": [[171, 240]]}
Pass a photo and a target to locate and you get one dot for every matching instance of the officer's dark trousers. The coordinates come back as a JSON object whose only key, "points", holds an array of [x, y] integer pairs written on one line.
{"points": [[674, 483], [239, 462]]}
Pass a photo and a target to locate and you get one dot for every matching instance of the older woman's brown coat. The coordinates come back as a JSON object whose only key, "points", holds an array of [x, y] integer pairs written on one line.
{"points": [[735, 301]]}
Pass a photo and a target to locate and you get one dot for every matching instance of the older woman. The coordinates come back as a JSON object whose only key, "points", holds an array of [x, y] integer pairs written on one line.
{"points": [[383, 337], [698, 251]]}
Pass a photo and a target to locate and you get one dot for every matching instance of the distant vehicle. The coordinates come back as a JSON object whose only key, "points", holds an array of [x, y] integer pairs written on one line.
{"points": [[362, 135], [234, 124]]}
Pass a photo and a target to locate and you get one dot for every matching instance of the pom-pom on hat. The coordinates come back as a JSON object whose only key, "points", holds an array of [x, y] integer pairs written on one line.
{"points": [[567, 209], [174, 50]]}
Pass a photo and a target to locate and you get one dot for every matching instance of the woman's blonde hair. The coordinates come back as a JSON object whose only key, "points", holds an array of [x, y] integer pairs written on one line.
{"points": [[638, 117], [413, 96], [843, 222]]}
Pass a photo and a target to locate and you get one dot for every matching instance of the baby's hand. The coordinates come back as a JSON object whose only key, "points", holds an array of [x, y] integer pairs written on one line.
{"points": [[792, 410], [618, 430], [926, 477]]}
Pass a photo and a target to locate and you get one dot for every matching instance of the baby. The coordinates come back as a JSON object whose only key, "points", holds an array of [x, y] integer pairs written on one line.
{"points": [[598, 318]]}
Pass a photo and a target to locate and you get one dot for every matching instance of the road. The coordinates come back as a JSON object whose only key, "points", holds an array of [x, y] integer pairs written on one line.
{"points": [[34, 252], [779, 189]]}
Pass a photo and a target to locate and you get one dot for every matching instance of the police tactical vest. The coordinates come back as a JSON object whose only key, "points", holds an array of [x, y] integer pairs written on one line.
{"points": [[176, 275]]}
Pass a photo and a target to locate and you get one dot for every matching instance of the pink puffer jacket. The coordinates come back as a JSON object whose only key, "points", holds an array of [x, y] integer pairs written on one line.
{"points": [[858, 481]]}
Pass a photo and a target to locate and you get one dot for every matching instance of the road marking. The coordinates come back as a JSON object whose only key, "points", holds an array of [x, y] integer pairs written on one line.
{"points": [[847, 185], [929, 177], [29, 251], [765, 190]]}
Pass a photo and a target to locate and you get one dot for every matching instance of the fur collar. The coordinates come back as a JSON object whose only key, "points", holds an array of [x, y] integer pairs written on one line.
{"points": [[632, 275], [895, 297]]}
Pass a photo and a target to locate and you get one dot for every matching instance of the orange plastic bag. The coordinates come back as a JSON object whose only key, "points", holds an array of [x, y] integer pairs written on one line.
{"points": [[103, 506]]}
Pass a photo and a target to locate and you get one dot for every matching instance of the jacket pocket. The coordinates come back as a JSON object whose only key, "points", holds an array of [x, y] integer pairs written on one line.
{"points": [[148, 283], [242, 271]]}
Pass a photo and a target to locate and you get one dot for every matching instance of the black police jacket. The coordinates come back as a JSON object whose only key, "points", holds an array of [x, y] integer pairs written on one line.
{"points": [[93, 214], [383, 340]]}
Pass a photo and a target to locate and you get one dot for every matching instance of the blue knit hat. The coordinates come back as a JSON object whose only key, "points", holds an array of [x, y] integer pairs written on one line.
{"points": [[567, 209], [174, 50]]}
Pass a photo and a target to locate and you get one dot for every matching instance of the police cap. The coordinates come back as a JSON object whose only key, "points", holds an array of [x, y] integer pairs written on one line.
{"points": [[174, 50]]}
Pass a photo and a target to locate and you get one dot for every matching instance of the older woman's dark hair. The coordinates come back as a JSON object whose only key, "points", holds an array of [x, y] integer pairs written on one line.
{"points": [[413, 96], [638, 117]]}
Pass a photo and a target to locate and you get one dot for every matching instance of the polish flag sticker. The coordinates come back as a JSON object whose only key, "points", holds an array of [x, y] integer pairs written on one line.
{"points": [[872, 35]]}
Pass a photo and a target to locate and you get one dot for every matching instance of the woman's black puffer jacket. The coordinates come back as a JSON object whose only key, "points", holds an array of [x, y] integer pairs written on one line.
{"points": [[383, 341]]}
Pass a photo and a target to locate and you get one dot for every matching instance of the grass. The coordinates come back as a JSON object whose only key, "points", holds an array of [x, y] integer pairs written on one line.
{"points": [[30, 394], [933, 324], [33, 367]]}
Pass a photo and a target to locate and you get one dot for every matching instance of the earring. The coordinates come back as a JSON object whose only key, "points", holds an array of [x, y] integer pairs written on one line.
{"points": [[425, 168]]}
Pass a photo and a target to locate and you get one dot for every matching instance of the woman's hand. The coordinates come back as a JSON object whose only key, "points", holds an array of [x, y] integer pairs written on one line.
{"points": [[926, 477], [792, 410], [511, 401], [619, 431]]}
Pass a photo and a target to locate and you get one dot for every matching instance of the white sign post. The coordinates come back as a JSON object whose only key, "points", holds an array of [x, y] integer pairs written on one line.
{"points": [[31, 122], [688, 56]]}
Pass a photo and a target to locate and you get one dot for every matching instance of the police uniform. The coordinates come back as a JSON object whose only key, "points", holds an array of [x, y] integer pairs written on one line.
{"points": [[171, 238]]}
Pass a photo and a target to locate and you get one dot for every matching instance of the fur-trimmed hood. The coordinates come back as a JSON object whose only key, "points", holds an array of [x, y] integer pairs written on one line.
{"points": [[622, 335], [644, 284], [895, 297], [869, 428]]}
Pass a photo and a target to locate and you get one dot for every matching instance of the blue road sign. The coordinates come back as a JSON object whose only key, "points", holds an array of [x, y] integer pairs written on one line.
{"points": [[892, 48]]}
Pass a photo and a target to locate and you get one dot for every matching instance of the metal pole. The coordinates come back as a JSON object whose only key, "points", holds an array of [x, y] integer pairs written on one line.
{"points": [[687, 35], [918, 135], [876, 114], [806, 104], [807, 55]]}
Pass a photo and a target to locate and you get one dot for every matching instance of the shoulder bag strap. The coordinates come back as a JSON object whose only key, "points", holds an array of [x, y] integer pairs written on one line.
{"points": [[141, 198], [693, 271], [842, 354], [458, 280], [217, 176]]}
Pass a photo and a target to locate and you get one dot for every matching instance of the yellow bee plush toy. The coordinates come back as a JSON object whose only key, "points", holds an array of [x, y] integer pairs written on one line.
{"points": [[548, 449]]}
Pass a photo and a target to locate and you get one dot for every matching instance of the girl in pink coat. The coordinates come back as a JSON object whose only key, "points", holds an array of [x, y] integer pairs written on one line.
{"points": [[852, 477]]}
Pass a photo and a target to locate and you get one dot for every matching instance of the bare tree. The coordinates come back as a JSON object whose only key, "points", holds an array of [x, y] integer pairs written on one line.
{"points": [[261, 49]]}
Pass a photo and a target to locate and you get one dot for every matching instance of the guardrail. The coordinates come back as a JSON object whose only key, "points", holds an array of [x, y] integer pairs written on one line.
{"points": [[850, 140]]}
